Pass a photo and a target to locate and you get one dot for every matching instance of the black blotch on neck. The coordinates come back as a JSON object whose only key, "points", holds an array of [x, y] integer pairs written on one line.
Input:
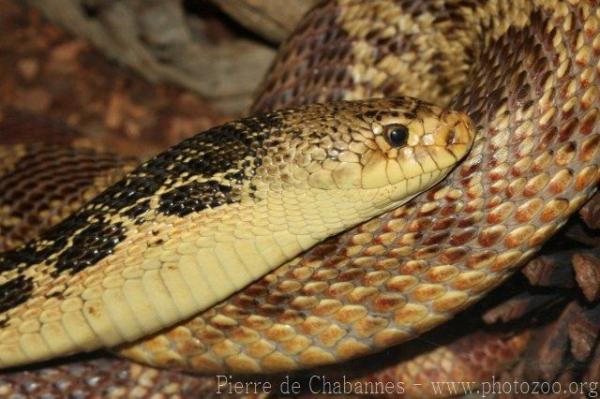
{"points": [[90, 245], [137, 211], [194, 197], [238, 152], [221, 150], [13, 293]]}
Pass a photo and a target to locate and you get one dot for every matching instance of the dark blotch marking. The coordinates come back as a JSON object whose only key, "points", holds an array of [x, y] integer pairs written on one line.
{"points": [[136, 211], [195, 197], [236, 144], [13, 293], [92, 244], [127, 192], [10, 260]]}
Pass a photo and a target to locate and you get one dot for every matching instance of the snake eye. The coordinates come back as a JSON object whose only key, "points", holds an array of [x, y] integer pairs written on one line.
{"points": [[396, 134]]}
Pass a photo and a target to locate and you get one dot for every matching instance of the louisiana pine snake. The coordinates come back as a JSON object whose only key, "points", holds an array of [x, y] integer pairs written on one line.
{"points": [[527, 74]]}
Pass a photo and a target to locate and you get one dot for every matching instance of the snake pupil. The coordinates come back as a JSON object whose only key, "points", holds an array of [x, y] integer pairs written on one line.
{"points": [[397, 135]]}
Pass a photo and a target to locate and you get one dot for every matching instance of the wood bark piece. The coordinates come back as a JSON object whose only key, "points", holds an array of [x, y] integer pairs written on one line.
{"points": [[154, 38], [552, 270], [114, 106], [590, 213], [551, 345], [516, 307], [593, 371], [581, 233], [583, 333], [587, 272], [270, 19]]}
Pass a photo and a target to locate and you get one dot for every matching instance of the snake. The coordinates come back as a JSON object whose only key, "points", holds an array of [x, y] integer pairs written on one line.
{"points": [[208, 216], [525, 72]]}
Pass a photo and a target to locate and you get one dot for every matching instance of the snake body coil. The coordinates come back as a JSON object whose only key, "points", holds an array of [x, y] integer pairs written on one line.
{"points": [[527, 73]]}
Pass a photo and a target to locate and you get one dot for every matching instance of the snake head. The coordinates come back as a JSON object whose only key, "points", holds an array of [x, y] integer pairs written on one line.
{"points": [[408, 139], [401, 145]]}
